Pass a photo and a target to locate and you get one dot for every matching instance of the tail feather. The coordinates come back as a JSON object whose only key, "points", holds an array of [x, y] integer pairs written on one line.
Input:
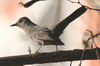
{"points": [[58, 29], [52, 42]]}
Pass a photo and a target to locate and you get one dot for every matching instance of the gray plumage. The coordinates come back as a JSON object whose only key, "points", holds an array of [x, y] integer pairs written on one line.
{"points": [[41, 35]]}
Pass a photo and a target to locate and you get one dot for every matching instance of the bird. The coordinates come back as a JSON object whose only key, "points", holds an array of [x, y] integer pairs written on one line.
{"points": [[44, 35]]}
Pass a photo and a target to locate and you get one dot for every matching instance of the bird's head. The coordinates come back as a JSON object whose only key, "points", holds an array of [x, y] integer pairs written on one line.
{"points": [[23, 22]]}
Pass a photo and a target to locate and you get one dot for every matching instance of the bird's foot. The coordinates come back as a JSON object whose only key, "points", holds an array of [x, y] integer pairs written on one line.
{"points": [[37, 53], [57, 51]]}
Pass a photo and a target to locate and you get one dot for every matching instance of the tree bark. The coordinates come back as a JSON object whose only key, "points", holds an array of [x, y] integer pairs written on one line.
{"points": [[51, 57]]}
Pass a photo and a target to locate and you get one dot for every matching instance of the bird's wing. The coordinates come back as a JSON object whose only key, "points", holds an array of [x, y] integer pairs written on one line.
{"points": [[42, 33], [58, 29], [43, 36]]}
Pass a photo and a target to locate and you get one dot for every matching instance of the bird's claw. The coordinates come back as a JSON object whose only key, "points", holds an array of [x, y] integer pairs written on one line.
{"points": [[36, 53], [57, 51]]}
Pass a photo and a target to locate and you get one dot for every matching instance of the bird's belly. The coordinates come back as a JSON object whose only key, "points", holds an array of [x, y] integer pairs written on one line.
{"points": [[39, 37]]}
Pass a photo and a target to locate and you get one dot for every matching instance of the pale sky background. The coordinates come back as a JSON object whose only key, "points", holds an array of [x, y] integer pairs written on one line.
{"points": [[13, 40]]}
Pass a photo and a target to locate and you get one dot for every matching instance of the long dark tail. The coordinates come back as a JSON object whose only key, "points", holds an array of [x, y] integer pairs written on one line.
{"points": [[53, 42], [63, 24]]}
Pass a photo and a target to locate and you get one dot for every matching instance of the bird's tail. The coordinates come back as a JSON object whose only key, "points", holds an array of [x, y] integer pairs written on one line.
{"points": [[58, 29], [52, 42]]}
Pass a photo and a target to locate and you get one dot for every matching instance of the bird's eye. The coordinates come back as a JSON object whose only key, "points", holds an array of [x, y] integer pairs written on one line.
{"points": [[21, 21]]}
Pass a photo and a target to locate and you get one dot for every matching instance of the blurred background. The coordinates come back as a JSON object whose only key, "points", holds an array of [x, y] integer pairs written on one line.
{"points": [[13, 40]]}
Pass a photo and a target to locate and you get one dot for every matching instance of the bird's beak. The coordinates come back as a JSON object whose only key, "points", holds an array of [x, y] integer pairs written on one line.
{"points": [[14, 24]]}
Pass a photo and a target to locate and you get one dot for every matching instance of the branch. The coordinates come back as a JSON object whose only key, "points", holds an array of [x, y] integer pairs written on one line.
{"points": [[83, 5], [40, 58], [93, 42], [96, 35], [28, 4]]}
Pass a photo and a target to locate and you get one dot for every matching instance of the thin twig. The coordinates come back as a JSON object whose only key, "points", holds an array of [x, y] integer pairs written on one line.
{"points": [[51, 57], [93, 42], [29, 50], [82, 55], [92, 38], [84, 5]]}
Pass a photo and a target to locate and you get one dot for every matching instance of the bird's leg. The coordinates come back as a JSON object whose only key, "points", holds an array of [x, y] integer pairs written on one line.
{"points": [[29, 50], [39, 48], [57, 48]]}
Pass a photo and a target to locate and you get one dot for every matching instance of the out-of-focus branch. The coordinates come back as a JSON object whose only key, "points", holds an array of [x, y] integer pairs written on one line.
{"points": [[93, 42], [40, 58], [28, 4], [96, 35]]}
